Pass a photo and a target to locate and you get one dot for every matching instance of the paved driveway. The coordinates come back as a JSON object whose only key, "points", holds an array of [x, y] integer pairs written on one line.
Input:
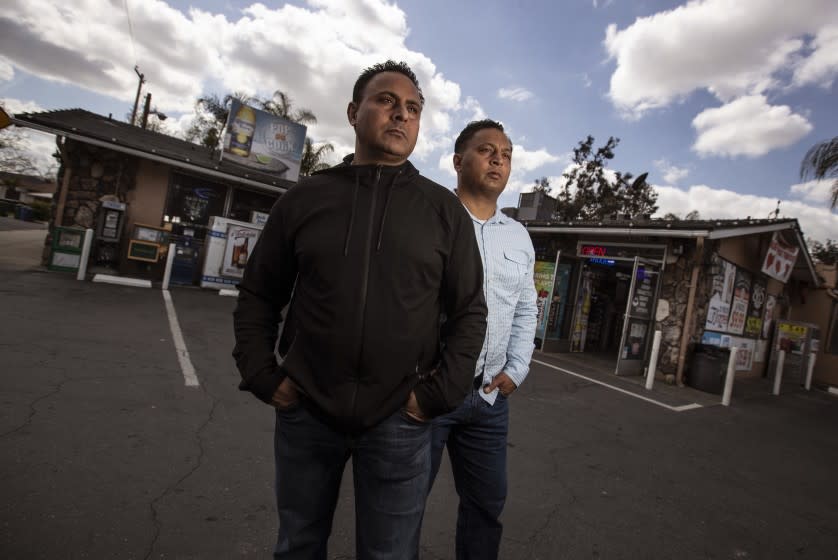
{"points": [[107, 453]]}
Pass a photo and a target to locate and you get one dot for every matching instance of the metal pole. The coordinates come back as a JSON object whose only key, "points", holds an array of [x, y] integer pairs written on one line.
{"points": [[167, 275], [137, 99], [146, 110], [85, 254], [653, 360], [810, 371], [778, 373], [729, 376]]}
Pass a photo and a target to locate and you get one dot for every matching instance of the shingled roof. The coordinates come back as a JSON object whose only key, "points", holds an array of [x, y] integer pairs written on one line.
{"points": [[92, 128]]}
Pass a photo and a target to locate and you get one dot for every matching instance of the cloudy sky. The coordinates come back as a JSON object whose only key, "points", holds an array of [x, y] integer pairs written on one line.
{"points": [[717, 99]]}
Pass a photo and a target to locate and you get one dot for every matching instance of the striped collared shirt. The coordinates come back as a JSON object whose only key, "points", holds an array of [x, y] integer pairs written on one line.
{"points": [[508, 259]]}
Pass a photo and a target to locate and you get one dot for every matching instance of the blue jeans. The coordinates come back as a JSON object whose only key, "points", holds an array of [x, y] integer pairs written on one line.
{"points": [[391, 467], [475, 434]]}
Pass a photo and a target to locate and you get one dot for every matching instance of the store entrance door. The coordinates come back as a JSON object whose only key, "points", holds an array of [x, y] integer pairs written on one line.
{"points": [[602, 293], [639, 318]]}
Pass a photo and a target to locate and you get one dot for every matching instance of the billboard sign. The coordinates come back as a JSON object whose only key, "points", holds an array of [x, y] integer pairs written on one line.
{"points": [[780, 258], [263, 142]]}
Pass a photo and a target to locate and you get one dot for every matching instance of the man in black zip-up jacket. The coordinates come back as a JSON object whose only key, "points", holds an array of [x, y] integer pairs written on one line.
{"points": [[374, 254]]}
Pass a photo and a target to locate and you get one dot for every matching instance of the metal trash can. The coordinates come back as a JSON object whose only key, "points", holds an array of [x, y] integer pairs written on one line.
{"points": [[708, 368]]}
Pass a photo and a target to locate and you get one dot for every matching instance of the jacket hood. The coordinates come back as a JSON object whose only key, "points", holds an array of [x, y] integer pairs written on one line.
{"points": [[406, 171]]}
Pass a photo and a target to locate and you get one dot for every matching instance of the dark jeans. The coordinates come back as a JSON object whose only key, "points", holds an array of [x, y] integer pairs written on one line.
{"points": [[391, 467], [475, 434]]}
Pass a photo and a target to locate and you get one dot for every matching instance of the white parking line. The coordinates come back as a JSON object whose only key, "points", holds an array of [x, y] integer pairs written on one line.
{"points": [[186, 367], [682, 408]]}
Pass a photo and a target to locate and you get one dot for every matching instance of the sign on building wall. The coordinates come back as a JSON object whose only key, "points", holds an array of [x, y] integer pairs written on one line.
{"points": [[544, 277], [739, 305], [263, 142], [753, 323], [780, 258], [718, 310]]}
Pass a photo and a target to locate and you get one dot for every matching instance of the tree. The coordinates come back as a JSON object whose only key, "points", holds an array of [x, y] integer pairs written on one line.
{"points": [[821, 162], [211, 114], [827, 253], [312, 159], [592, 192], [542, 185], [280, 104], [13, 156]]}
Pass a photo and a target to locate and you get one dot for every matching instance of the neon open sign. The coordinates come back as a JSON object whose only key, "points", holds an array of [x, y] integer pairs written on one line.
{"points": [[594, 251]]}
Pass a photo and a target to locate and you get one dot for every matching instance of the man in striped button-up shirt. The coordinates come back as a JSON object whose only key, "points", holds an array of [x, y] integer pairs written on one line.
{"points": [[475, 434]]}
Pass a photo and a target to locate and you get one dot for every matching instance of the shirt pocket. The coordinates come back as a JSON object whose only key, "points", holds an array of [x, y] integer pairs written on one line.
{"points": [[513, 272]]}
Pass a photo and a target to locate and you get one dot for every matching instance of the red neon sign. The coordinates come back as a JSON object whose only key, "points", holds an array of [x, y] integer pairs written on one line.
{"points": [[594, 251]]}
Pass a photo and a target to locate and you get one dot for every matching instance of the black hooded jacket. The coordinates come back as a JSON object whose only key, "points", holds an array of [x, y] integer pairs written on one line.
{"points": [[374, 256]]}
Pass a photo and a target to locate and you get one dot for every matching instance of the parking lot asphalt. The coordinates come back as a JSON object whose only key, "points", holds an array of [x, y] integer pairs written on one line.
{"points": [[107, 453]]}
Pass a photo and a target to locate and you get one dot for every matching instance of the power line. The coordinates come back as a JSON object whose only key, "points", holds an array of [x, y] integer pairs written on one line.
{"points": [[131, 31]]}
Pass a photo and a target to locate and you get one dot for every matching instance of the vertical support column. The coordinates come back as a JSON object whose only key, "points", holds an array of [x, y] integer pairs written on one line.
{"points": [[729, 376], [653, 360], [778, 373], [809, 371], [170, 257], [85, 254]]}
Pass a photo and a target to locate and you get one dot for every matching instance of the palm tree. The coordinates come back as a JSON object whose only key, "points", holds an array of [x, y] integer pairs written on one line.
{"points": [[280, 104], [821, 162], [312, 159]]}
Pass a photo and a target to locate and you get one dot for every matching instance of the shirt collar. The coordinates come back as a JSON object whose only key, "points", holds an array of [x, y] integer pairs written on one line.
{"points": [[498, 217]]}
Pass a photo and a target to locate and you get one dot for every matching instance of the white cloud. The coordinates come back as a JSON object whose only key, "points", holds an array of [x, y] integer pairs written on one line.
{"points": [[473, 106], [586, 80], [7, 72], [515, 94], [15, 106], [748, 126], [818, 191], [314, 53], [672, 174], [822, 65], [817, 221], [730, 48]]}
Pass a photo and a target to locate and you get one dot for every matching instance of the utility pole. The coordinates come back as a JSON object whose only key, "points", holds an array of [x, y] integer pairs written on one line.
{"points": [[146, 110], [137, 99]]}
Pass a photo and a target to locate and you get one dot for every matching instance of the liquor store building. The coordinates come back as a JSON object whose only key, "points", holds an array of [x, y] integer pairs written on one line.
{"points": [[605, 288], [140, 190]]}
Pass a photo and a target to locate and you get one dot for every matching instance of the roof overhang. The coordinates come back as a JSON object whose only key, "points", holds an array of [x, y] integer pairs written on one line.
{"points": [[720, 233], [115, 146]]}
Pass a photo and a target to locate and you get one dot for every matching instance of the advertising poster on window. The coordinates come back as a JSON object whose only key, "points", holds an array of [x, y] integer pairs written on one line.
{"points": [[240, 243], [636, 340], [753, 323], [263, 141], [780, 258], [543, 276], [583, 310], [718, 310], [559, 303], [739, 306]]}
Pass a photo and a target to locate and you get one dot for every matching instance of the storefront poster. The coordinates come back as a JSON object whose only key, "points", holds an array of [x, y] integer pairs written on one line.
{"points": [[217, 254], [791, 338], [739, 306], [780, 258], [744, 354], [263, 141], [753, 323], [711, 338], [636, 340], [559, 303], [240, 243], [644, 293], [543, 276], [718, 309], [583, 310], [768, 315]]}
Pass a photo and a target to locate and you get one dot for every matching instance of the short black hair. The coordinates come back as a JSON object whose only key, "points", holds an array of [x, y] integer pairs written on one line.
{"points": [[388, 66], [471, 129]]}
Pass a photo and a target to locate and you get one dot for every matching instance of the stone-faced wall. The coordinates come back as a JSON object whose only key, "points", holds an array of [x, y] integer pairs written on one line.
{"points": [[95, 174]]}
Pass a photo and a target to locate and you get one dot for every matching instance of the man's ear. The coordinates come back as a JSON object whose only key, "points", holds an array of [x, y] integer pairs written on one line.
{"points": [[352, 113], [458, 162]]}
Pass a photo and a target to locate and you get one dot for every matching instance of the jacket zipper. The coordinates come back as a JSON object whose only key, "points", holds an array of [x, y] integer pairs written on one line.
{"points": [[365, 281]]}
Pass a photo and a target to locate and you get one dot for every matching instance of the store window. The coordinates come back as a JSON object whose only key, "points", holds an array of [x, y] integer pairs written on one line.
{"points": [[192, 201], [245, 202]]}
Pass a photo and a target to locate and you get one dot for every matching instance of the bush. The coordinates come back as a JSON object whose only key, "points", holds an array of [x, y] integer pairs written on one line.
{"points": [[40, 210]]}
